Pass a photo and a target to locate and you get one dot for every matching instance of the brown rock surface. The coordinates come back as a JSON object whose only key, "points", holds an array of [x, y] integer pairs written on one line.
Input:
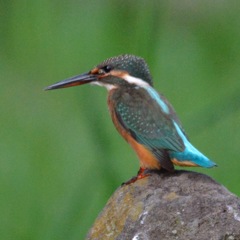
{"points": [[184, 205]]}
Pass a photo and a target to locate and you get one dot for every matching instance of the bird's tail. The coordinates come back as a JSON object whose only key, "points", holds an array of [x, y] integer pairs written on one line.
{"points": [[191, 154]]}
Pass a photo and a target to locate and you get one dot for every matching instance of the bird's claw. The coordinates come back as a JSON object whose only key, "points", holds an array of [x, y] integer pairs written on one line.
{"points": [[142, 173]]}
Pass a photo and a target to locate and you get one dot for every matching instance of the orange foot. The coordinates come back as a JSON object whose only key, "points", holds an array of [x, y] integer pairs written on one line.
{"points": [[141, 174]]}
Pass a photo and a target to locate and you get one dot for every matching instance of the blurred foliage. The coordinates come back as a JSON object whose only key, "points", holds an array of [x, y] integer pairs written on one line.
{"points": [[61, 157]]}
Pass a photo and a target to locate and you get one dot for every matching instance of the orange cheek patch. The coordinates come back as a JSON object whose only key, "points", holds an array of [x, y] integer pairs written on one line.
{"points": [[119, 74], [94, 71]]}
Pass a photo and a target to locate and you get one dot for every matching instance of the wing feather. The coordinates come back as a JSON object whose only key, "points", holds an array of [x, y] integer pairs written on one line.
{"points": [[148, 124]]}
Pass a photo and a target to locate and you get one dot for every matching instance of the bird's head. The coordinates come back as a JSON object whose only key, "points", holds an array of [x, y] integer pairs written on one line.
{"points": [[112, 73]]}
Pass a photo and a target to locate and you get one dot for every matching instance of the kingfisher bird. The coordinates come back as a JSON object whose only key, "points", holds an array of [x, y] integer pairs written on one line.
{"points": [[144, 117]]}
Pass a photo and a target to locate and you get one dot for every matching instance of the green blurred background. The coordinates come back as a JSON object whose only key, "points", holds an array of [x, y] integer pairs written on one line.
{"points": [[61, 158]]}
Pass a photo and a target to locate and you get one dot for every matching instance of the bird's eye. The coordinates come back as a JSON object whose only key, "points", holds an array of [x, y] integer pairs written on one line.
{"points": [[105, 69]]}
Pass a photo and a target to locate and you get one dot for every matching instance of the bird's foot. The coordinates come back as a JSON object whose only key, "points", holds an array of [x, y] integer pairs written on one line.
{"points": [[142, 173]]}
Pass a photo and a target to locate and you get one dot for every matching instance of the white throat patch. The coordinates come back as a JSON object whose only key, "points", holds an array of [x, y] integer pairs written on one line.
{"points": [[134, 80], [109, 87]]}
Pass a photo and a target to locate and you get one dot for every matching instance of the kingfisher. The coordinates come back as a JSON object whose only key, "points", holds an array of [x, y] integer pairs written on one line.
{"points": [[144, 117]]}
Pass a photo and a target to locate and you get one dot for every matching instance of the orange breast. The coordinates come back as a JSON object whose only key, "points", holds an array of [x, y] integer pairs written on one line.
{"points": [[147, 159]]}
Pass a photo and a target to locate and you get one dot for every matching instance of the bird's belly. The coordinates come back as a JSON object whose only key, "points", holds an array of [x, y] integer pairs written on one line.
{"points": [[147, 159]]}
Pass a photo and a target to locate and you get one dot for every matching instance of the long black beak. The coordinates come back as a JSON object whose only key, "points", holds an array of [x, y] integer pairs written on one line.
{"points": [[73, 81]]}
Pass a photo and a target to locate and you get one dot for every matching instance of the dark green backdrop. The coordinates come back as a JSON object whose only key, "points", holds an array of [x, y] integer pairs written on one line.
{"points": [[61, 158]]}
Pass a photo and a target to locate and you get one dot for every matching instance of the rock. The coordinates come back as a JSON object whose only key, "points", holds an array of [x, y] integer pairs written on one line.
{"points": [[181, 205]]}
